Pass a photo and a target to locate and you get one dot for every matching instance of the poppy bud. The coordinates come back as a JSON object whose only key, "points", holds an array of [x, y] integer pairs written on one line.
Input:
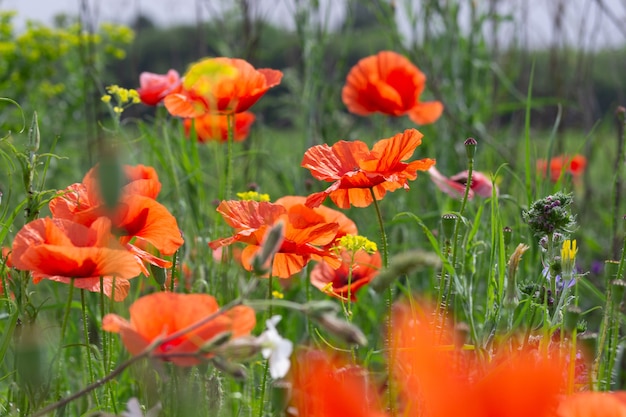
{"points": [[448, 223], [271, 245], [217, 340], [240, 349], [617, 291], [33, 135], [402, 264], [570, 319], [316, 308], [507, 234], [235, 370], [470, 147], [341, 328]]}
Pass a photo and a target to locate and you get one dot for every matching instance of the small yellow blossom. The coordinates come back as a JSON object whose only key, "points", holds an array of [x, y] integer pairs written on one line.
{"points": [[278, 294], [254, 196], [106, 98], [353, 243], [568, 256], [118, 109], [569, 250]]}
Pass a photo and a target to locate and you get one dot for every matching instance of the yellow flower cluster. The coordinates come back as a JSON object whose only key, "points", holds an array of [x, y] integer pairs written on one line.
{"points": [[123, 97], [353, 243], [254, 196], [568, 255]]}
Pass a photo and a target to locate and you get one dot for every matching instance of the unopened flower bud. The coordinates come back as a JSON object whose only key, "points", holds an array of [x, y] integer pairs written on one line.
{"points": [[507, 234], [341, 328], [617, 291], [216, 341], [402, 264], [317, 308], [240, 349], [33, 135], [271, 244], [448, 223], [571, 317], [470, 147], [235, 370]]}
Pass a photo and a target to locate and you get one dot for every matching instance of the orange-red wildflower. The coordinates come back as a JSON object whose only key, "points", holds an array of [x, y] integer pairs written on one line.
{"points": [[353, 274], [593, 404], [65, 251], [329, 387], [138, 219], [431, 369], [389, 83], [355, 170], [222, 86], [154, 87], [214, 127], [346, 225], [156, 316], [455, 185], [575, 166], [306, 234]]}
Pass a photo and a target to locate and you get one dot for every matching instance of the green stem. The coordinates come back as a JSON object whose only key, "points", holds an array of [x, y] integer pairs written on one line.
{"points": [[67, 310], [92, 376], [388, 302], [230, 121]]}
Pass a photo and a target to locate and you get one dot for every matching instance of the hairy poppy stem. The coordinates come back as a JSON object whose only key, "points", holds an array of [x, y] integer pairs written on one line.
{"points": [[92, 376], [230, 122], [388, 302]]}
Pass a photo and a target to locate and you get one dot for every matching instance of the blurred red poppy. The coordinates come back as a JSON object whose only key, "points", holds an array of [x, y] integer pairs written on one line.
{"points": [[159, 315], [355, 170], [154, 87], [344, 281], [330, 387], [575, 166], [138, 219], [431, 367], [215, 127], [221, 86], [593, 404], [65, 251], [306, 234], [389, 83], [455, 185]]}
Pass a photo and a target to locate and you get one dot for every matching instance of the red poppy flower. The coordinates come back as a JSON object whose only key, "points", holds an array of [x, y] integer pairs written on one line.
{"points": [[575, 166], [137, 219], [346, 226], [354, 169], [455, 185], [389, 83], [222, 86], [154, 87], [329, 387], [593, 404], [431, 370], [215, 127], [339, 282], [306, 234], [65, 251], [158, 315]]}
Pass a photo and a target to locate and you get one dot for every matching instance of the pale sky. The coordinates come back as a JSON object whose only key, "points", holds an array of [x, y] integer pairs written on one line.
{"points": [[582, 19]]}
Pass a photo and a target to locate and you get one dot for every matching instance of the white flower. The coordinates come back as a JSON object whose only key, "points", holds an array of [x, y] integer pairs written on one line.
{"points": [[133, 409], [275, 348]]}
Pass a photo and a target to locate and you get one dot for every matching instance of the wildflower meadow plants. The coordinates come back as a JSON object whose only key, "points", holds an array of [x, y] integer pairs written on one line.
{"points": [[176, 276]]}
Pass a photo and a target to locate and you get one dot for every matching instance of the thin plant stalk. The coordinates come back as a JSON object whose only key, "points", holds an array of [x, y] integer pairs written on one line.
{"points": [[92, 376], [388, 302]]}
